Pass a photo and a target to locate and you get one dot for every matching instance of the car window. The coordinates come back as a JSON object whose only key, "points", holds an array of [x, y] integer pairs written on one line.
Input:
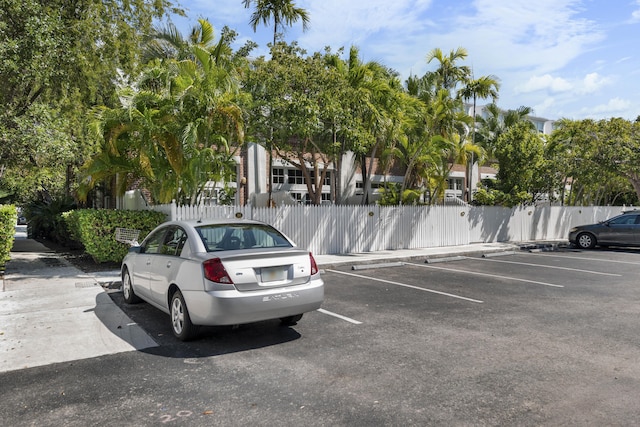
{"points": [[228, 237], [153, 243], [174, 241], [624, 220]]}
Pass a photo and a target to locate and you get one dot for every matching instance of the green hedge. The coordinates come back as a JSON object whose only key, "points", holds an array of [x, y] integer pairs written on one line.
{"points": [[8, 221], [95, 229]]}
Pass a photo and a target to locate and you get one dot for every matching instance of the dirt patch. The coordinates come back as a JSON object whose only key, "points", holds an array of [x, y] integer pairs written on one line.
{"points": [[79, 258]]}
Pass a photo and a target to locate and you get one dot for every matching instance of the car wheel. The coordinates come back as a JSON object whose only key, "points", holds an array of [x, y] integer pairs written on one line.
{"points": [[127, 289], [290, 320], [181, 324], [586, 240]]}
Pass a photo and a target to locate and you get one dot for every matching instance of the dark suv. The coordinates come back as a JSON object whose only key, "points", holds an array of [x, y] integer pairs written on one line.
{"points": [[621, 230]]}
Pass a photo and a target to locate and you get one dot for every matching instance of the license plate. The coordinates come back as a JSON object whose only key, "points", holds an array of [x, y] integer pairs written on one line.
{"points": [[273, 274]]}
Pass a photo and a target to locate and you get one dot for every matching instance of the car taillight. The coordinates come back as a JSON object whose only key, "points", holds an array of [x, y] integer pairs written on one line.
{"points": [[314, 266], [215, 271]]}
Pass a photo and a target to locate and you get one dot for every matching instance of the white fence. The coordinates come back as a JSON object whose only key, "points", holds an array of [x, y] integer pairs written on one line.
{"points": [[334, 229]]}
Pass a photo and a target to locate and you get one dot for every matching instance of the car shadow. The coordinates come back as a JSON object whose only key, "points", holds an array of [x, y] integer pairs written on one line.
{"points": [[210, 341]]}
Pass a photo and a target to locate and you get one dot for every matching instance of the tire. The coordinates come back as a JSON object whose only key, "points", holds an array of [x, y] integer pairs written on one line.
{"points": [[181, 324], [290, 320], [586, 241], [127, 289]]}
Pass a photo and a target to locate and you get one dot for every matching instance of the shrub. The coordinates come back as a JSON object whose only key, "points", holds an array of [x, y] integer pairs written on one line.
{"points": [[8, 220], [45, 221], [95, 229]]}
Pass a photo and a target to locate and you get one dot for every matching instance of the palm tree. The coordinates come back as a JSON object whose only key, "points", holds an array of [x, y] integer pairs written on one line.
{"points": [[448, 74], [483, 87], [173, 127], [445, 116], [282, 12], [373, 104], [136, 142]]}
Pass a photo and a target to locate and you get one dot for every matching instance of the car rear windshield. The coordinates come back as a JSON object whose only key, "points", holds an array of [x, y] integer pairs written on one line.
{"points": [[228, 237]]}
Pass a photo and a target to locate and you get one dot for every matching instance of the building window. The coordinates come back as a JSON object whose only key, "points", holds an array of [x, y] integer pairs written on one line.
{"points": [[277, 176], [454, 183], [374, 185], [327, 179], [295, 177], [305, 198]]}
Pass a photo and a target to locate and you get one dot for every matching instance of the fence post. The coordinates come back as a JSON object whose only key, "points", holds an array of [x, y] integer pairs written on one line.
{"points": [[174, 210]]}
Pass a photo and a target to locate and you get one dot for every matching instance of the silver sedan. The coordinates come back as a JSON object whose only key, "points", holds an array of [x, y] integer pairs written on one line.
{"points": [[221, 272]]}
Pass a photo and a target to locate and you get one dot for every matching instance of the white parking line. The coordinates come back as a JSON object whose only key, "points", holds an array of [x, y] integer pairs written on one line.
{"points": [[548, 266], [339, 316], [407, 286], [588, 259], [475, 273]]}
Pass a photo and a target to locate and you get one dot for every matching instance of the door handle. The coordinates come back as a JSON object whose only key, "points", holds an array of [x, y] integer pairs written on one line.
{"points": [[168, 264]]}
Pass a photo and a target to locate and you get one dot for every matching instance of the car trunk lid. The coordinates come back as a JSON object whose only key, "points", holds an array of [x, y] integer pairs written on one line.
{"points": [[255, 270]]}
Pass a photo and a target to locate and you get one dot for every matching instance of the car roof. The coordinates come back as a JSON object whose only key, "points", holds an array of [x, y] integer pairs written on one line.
{"points": [[218, 221]]}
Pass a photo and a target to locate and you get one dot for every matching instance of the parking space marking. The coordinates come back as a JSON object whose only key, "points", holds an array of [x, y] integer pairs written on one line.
{"points": [[339, 316], [548, 266], [589, 259], [453, 270], [433, 291]]}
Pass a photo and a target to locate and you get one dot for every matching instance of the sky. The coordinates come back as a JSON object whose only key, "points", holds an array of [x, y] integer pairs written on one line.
{"points": [[573, 59]]}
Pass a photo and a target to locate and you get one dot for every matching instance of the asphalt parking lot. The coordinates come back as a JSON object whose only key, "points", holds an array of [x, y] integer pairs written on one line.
{"points": [[522, 338], [547, 338]]}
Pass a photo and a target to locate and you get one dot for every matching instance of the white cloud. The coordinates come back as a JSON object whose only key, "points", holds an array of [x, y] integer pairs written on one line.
{"points": [[635, 14], [338, 23], [611, 108], [593, 82], [542, 35], [545, 82]]}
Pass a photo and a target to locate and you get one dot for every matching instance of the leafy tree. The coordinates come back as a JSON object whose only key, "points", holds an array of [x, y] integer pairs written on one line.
{"points": [[173, 129], [592, 158], [43, 141], [572, 150], [619, 149], [520, 153], [283, 12], [51, 50], [373, 102], [496, 122], [296, 101], [442, 91], [56, 60]]}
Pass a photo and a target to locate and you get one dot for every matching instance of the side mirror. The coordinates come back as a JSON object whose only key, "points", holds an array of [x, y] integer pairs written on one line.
{"points": [[136, 249]]}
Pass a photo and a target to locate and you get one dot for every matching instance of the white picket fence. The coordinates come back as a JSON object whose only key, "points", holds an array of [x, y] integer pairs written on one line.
{"points": [[336, 229]]}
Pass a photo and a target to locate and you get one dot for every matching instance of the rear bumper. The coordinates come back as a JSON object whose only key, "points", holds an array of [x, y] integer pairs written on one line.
{"points": [[230, 307]]}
